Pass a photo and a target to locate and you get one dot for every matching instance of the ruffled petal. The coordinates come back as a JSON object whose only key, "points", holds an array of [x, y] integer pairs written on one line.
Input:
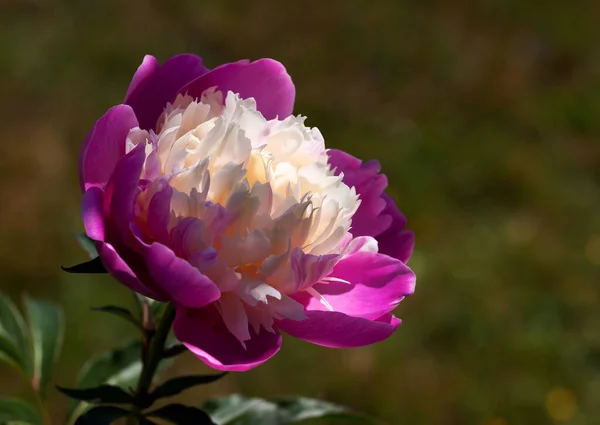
{"points": [[153, 86], [183, 283], [104, 146], [265, 80], [338, 330], [204, 334], [377, 284]]}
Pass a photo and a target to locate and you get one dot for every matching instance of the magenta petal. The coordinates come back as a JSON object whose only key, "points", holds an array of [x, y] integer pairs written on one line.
{"points": [[377, 284], [159, 212], [115, 265], [122, 188], [370, 186], [104, 145], [143, 74], [338, 330], [180, 280], [204, 334], [397, 245], [91, 209], [265, 80], [154, 87]]}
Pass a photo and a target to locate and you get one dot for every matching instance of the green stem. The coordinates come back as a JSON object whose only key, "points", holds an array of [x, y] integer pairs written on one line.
{"points": [[152, 357]]}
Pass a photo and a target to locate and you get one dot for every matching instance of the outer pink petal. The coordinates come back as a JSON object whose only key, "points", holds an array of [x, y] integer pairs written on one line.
{"points": [[159, 212], [144, 73], [265, 80], [152, 86], [204, 334], [397, 245], [121, 271], [377, 215], [104, 145], [370, 186], [181, 281], [338, 330], [91, 208], [122, 188], [378, 284]]}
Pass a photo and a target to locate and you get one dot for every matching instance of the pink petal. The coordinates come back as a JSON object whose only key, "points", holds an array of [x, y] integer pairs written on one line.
{"points": [[104, 145], [370, 186], [152, 87], [378, 215], [181, 281], [115, 265], [397, 245], [159, 212], [377, 284], [265, 80], [144, 73], [122, 188], [338, 330], [204, 334], [93, 218]]}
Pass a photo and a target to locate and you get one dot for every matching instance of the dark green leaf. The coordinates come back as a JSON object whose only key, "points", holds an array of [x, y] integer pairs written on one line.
{"points": [[88, 244], [100, 394], [238, 410], [120, 367], [17, 410], [122, 313], [182, 415], [14, 345], [92, 266], [174, 351], [101, 415], [46, 327], [146, 421], [177, 385]]}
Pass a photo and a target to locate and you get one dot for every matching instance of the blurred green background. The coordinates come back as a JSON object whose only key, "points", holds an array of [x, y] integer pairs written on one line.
{"points": [[485, 116]]}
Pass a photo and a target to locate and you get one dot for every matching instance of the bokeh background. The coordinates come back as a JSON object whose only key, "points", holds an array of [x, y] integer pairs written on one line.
{"points": [[485, 116]]}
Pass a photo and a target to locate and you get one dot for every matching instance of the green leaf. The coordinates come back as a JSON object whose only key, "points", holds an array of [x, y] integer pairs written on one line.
{"points": [[239, 410], [92, 266], [88, 244], [182, 415], [14, 345], [296, 409], [174, 351], [101, 415], [46, 327], [100, 394], [177, 385], [17, 410], [121, 367], [108, 367], [122, 313]]}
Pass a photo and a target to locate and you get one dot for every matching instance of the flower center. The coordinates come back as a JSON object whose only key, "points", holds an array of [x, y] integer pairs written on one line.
{"points": [[252, 203]]}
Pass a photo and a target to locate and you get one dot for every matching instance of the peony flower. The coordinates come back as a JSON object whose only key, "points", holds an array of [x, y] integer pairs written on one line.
{"points": [[202, 189]]}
